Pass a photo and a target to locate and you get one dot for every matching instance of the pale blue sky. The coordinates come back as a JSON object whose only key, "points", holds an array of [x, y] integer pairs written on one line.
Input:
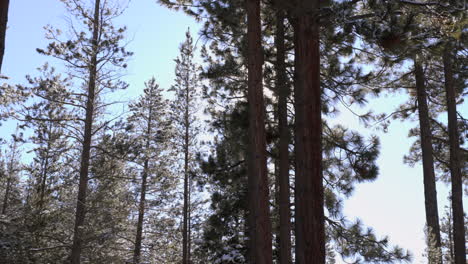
{"points": [[393, 205]]}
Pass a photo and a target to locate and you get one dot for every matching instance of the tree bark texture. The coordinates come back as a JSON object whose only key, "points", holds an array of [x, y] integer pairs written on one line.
{"points": [[309, 197], [430, 192], [455, 162], [260, 249], [87, 140], [284, 192]]}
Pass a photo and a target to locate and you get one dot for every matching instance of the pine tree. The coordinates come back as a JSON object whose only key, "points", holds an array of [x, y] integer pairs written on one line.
{"points": [[455, 162], [10, 195], [95, 58], [260, 249], [309, 197], [432, 216], [151, 128], [284, 138], [186, 107]]}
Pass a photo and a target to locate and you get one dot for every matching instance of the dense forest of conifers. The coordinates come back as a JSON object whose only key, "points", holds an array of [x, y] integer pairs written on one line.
{"points": [[240, 164]]}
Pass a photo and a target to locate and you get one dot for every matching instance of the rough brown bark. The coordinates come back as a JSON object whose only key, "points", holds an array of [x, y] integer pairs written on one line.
{"points": [[141, 207], [430, 192], [284, 192], [260, 249], [310, 230], [455, 163], [87, 140], [3, 26]]}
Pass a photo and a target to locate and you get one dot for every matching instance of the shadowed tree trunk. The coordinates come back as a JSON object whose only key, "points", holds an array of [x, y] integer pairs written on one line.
{"points": [[87, 139], [260, 249], [283, 177], [430, 192], [310, 230], [3, 26], [455, 163]]}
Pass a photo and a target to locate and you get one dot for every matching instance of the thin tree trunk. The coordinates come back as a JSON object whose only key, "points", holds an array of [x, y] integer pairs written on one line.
{"points": [[430, 192], [284, 192], [44, 180], [185, 237], [3, 26], [87, 139], [455, 163], [310, 230], [141, 207], [10, 171], [7, 195], [141, 215], [189, 228], [259, 209], [450, 237]]}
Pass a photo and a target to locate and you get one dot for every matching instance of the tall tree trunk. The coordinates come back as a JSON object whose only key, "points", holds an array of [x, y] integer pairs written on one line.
{"points": [[430, 192], [310, 230], [141, 206], [185, 235], [141, 215], [260, 251], [284, 192], [3, 26], [455, 166], [87, 140]]}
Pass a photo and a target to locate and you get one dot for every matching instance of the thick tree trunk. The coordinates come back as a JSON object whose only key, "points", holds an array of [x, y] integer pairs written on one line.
{"points": [[141, 215], [75, 256], [430, 192], [260, 251], [3, 26], [310, 230], [284, 192], [455, 163]]}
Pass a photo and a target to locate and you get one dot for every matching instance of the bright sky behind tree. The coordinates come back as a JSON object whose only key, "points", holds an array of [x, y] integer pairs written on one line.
{"points": [[393, 204]]}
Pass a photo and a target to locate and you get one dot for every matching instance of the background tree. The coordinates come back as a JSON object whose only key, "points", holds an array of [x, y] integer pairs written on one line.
{"points": [[186, 112], [151, 132]]}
